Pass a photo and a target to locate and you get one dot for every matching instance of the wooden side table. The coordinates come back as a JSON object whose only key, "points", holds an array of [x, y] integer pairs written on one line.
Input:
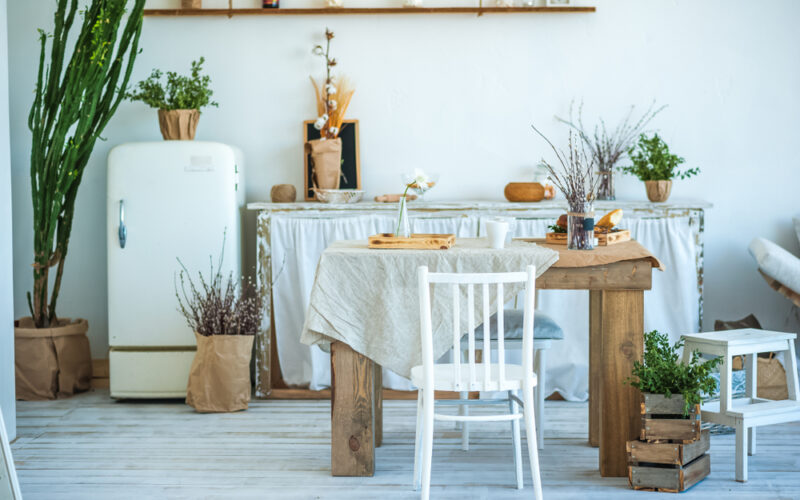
{"points": [[745, 414]]}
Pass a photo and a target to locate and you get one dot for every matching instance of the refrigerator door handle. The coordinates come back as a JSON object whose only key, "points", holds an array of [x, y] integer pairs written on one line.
{"points": [[123, 231]]}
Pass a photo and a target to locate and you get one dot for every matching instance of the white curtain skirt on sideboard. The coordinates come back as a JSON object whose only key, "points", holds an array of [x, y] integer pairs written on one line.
{"points": [[297, 243]]}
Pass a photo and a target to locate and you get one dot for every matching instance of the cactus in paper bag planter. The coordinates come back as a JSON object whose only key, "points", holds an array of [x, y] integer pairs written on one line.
{"points": [[76, 94]]}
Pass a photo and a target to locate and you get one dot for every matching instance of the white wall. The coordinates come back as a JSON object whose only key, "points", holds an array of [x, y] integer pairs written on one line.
{"points": [[456, 94], [7, 391]]}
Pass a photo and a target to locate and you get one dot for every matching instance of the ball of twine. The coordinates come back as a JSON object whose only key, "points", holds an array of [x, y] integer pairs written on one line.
{"points": [[283, 193]]}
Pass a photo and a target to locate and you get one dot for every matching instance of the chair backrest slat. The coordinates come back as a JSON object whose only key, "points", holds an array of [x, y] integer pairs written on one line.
{"points": [[456, 335], [472, 381], [501, 333], [473, 377], [487, 337]]}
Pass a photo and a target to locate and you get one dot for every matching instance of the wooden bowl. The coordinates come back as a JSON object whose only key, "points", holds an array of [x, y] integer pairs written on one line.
{"points": [[524, 191]]}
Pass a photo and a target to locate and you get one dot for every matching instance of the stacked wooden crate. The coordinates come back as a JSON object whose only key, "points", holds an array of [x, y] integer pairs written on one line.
{"points": [[670, 454]]}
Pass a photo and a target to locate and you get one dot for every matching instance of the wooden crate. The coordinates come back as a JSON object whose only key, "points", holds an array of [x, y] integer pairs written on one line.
{"points": [[415, 241], [663, 420], [603, 239], [642, 452], [668, 478]]}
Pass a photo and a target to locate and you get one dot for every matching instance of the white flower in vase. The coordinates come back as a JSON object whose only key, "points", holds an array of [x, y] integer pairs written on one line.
{"points": [[421, 181], [334, 131], [332, 104], [330, 88]]}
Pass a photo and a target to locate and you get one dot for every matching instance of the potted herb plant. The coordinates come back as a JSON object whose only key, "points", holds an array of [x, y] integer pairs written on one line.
{"points": [[224, 317], [333, 98], [77, 92], [656, 166], [662, 373], [178, 102]]}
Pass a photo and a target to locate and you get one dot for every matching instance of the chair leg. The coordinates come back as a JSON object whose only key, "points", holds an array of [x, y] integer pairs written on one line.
{"points": [[751, 441], [463, 410], [513, 407], [427, 443], [541, 367], [418, 442], [530, 433], [741, 452]]}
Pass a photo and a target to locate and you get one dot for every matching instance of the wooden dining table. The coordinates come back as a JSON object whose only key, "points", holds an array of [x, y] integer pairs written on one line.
{"points": [[616, 332]]}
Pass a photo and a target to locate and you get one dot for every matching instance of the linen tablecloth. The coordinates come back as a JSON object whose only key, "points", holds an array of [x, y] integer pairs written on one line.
{"points": [[368, 298]]}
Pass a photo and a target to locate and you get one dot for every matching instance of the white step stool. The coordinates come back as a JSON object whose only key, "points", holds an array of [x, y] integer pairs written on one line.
{"points": [[745, 414]]}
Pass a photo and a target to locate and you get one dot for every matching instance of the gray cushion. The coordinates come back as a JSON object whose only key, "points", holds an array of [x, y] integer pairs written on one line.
{"points": [[544, 327]]}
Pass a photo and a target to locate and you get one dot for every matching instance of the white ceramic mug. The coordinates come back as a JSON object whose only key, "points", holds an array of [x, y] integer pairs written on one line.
{"points": [[496, 230]]}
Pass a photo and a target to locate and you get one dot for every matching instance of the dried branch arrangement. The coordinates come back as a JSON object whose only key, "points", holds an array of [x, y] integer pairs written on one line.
{"points": [[333, 97], [576, 176], [607, 147], [217, 306]]}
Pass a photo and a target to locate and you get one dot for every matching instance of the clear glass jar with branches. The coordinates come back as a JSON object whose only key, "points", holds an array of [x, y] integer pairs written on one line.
{"points": [[576, 179]]}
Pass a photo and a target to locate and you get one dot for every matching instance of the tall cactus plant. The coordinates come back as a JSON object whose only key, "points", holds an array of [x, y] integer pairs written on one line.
{"points": [[76, 95]]}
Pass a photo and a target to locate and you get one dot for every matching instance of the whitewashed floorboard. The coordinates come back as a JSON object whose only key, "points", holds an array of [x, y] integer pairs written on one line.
{"points": [[92, 447]]}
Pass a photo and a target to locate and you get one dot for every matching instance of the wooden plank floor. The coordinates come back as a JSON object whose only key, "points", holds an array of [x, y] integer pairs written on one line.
{"points": [[92, 447]]}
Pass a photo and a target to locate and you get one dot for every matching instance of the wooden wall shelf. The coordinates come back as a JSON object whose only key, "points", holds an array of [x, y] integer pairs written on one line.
{"points": [[363, 10]]}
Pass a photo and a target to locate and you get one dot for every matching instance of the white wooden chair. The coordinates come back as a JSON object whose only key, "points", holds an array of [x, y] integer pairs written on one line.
{"points": [[465, 376], [745, 414], [545, 330]]}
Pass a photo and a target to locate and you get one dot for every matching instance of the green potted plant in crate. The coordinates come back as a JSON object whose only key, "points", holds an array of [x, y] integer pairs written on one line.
{"points": [[77, 92], [670, 387], [224, 317], [656, 166], [178, 102]]}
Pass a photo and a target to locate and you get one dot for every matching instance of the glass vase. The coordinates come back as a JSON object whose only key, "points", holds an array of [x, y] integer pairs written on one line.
{"points": [[580, 226], [605, 189], [403, 227]]}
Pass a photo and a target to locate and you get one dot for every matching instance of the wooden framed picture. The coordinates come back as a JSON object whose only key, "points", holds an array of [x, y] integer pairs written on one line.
{"points": [[9, 486], [351, 166]]}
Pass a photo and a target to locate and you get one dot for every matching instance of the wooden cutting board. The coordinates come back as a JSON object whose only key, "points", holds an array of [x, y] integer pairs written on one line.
{"points": [[415, 241], [603, 239]]}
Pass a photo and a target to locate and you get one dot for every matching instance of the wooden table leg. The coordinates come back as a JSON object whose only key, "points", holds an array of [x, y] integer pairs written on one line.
{"points": [[352, 412], [595, 374], [377, 385], [621, 321]]}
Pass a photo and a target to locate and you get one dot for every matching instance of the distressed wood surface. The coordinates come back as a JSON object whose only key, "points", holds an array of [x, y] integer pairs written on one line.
{"points": [[93, 447], [658, 404], [621, 325], [415, 241], [626, 275], [341, 11], [352, 412], [671, 429], [595, 359], [377, 396], [263, 345], [668, 453], [603, 239], [673, 480]]}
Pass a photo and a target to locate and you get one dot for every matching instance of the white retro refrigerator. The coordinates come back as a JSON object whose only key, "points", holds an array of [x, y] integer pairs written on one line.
{"points": [[166, 200]]}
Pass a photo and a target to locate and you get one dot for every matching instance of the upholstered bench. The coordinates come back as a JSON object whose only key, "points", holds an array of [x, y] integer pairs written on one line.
{"points": [[545, 330]]}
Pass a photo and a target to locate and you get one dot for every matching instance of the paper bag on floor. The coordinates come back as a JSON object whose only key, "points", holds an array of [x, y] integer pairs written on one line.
{"points": [[219, 380], [51, 362]]}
